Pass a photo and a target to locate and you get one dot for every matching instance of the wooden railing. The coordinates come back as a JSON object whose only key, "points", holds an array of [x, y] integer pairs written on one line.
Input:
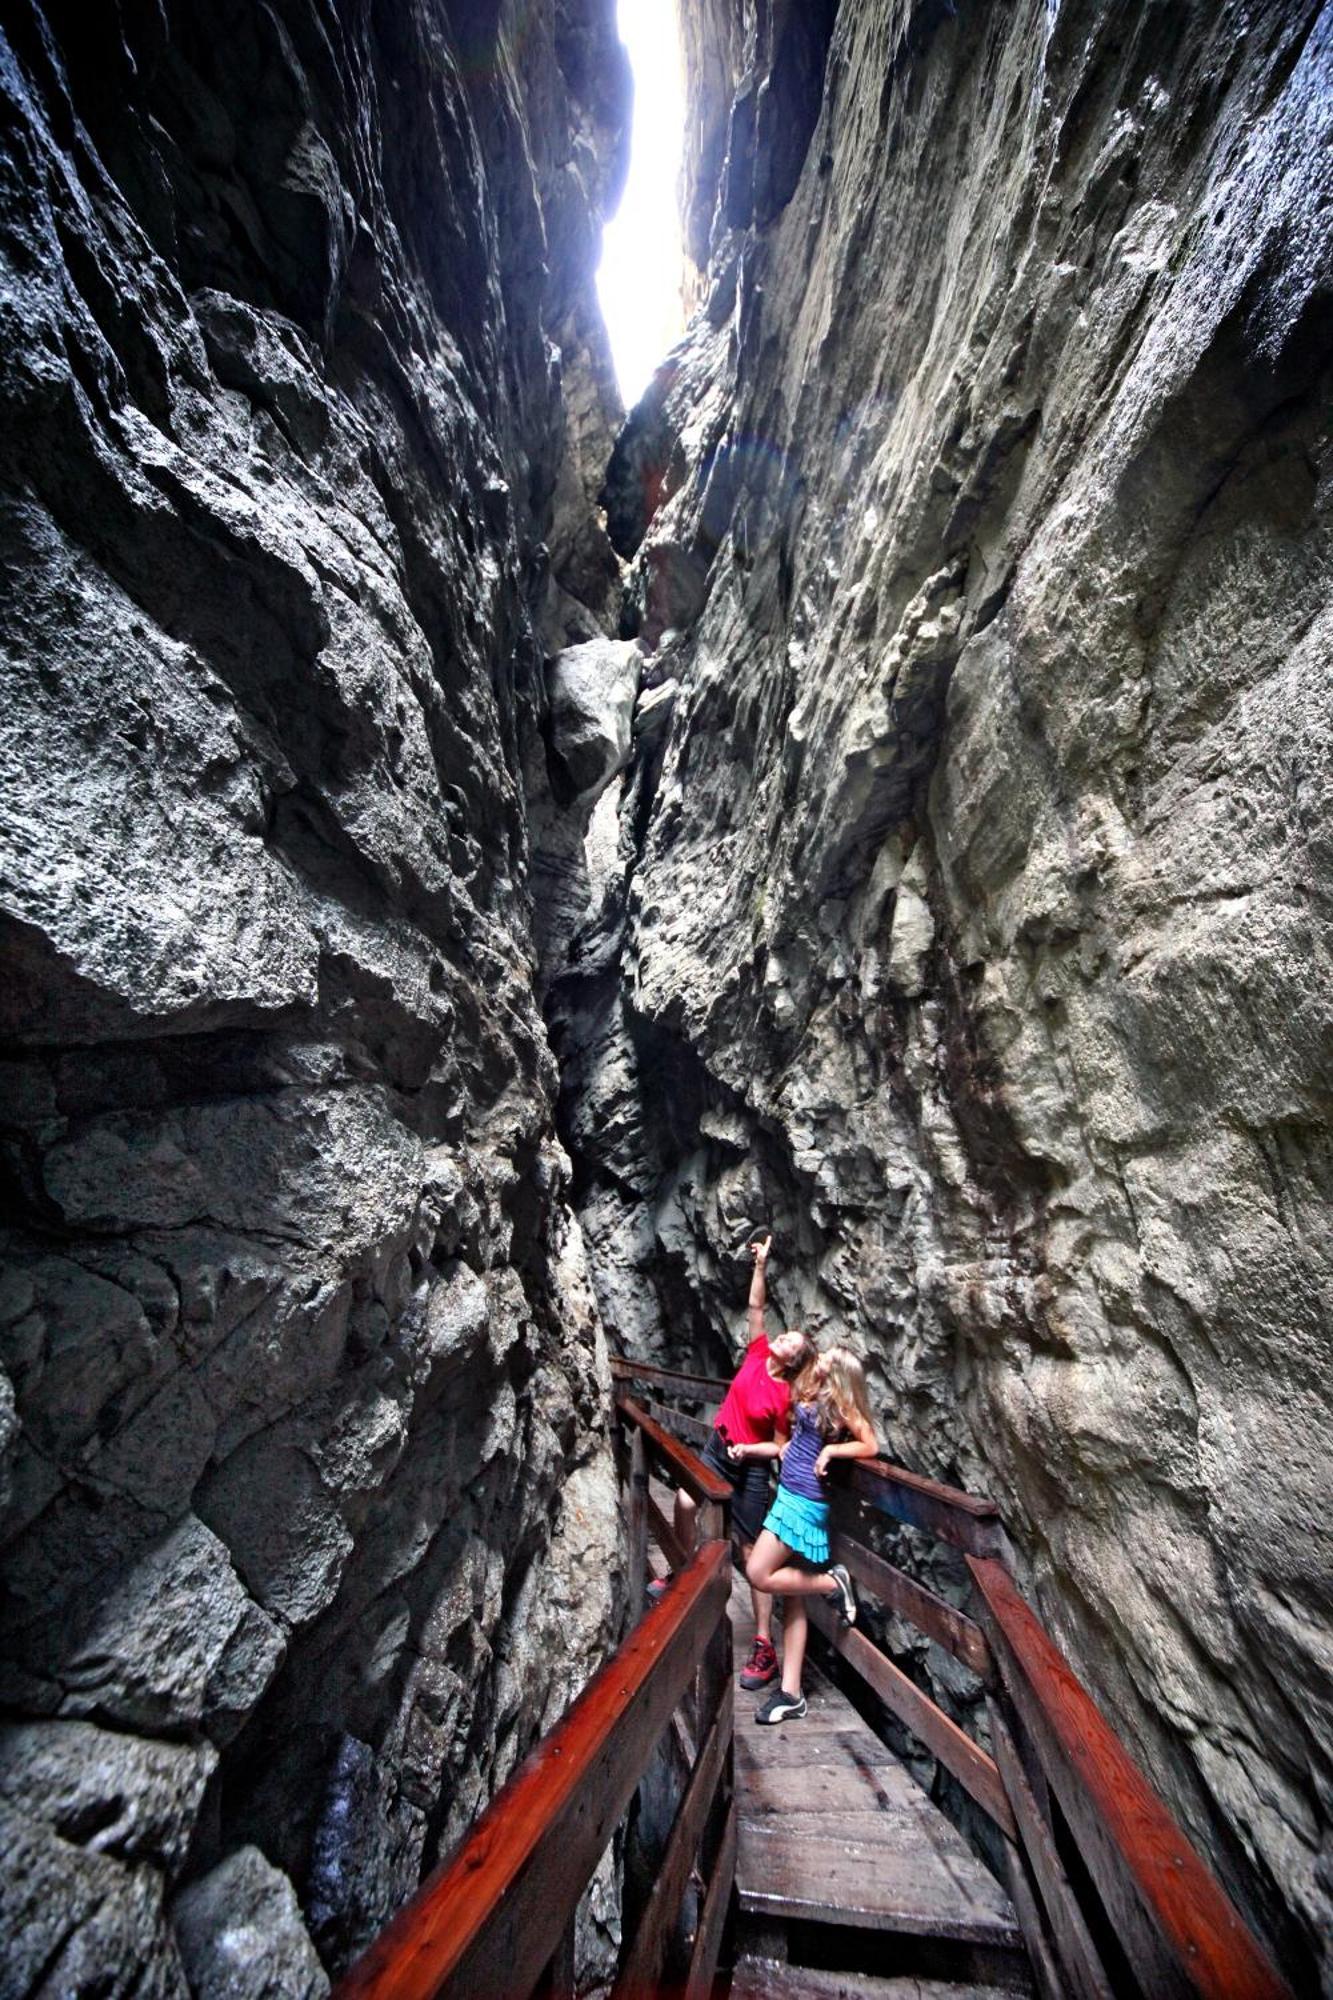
{"points": [[1147, 1917], [495, 1921]]}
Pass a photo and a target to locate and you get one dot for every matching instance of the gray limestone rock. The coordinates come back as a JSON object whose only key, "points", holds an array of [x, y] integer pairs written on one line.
{"points": [[240, 1935], [115, 1794], [304, 405], [76, 1922], [592, 691], [173, 1643]]}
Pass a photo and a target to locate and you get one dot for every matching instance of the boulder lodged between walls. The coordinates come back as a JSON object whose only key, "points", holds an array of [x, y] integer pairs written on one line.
{"points": [[973, 924], [308, 1517]]}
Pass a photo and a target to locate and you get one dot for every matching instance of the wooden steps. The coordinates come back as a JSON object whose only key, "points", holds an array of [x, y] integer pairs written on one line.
{"points": [[836, 1840]]}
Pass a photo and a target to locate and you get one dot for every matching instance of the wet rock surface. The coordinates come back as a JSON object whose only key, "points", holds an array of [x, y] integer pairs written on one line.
{"points": [[972, 920], [304, 403]]}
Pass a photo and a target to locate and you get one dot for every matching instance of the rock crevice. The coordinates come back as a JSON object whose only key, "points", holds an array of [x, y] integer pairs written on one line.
{"points": [[972, 909]]}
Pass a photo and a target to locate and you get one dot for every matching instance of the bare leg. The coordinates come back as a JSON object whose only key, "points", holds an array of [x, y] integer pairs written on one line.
{"points": [[772, 1568], [795, 1627], [761, 1600]]}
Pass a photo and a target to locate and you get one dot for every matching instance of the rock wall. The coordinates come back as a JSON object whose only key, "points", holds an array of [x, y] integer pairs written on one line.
{"points": [[972, 919], [308, 1523]]}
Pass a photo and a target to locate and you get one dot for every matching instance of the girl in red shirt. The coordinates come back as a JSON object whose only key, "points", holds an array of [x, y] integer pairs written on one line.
{"points": [[755, 1411]]}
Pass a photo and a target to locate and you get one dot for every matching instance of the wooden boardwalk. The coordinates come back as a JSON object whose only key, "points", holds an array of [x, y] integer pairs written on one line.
{"points": [[834, 1833]]}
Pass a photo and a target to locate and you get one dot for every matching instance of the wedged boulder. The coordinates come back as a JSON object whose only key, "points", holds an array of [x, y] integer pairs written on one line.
{"points": [[592, 691]]}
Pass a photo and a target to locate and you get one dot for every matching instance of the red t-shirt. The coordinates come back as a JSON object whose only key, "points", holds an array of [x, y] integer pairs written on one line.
{"points": [[757, 1402]]}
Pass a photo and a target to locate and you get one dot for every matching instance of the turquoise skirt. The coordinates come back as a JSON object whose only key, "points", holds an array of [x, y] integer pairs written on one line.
{"points": [[802, 1524]]}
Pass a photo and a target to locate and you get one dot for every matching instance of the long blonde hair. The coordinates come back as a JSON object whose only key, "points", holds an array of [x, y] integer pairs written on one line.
{"points": [[839, 1396]]}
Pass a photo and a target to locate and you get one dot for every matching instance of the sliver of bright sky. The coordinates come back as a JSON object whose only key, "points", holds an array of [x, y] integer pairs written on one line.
{"points": [[639, 277]]}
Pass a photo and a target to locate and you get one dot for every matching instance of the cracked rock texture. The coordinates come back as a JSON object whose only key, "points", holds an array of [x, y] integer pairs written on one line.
{"points": [[308, 1517], [971, 922]]}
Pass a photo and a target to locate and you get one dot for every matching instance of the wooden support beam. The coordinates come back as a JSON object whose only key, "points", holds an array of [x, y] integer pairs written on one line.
{"points": [[672, 1456], [637, 1521], [641, 1971], [1083, 1971], [974, 1770], [491, 1917], [1176, 1925], [664, 1534], [930, 1614], [699, 1386], [971, 1524], [1045, 1972], [695, 1430], [713, 1916]]}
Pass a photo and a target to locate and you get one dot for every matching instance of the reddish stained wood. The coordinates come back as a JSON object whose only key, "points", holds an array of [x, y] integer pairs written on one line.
{"points": [[643, 1963], [625, 1370], [1175, 1921], [930, 1614], [490, 1918], [713, 1916], [685, 1468], [974, 1770], [696, 1430], [665, 1535], [944, 1511], [1079, 1962]]}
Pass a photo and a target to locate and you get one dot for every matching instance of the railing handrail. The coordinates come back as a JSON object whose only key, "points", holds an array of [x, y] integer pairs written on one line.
{"points": [[688, 1470], [626, 1370], [1212, 1948], [489, 1919], [1175, 1922], [969, 1520]]}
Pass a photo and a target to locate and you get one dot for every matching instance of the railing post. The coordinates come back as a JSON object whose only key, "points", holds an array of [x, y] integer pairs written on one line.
{"points": [[558, 1980], [638, 1522]]}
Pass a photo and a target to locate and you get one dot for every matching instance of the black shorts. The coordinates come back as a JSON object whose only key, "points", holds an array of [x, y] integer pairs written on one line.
{"points": [[751, 1483]]}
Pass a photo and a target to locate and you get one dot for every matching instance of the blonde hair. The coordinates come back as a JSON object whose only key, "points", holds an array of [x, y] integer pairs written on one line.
{"points": [[840, 1395]]}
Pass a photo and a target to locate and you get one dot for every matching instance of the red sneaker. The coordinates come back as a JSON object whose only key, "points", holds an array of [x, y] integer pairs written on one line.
{"points": [[762, 1665]]}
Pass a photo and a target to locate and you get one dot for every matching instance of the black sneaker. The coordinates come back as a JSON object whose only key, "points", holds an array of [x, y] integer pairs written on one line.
{"points": [[781, 1707], [844, 1599]]}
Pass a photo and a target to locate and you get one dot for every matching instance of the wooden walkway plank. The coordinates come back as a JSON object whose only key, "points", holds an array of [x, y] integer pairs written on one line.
{"points": [[974, 1770], [834, 1829]]}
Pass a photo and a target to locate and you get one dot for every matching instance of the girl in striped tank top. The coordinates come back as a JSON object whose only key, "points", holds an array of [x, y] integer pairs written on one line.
{"points": [[832, 1420]]}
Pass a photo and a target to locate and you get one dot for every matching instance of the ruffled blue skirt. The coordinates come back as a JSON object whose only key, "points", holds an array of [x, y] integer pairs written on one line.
{"points": [[802, 1524]]}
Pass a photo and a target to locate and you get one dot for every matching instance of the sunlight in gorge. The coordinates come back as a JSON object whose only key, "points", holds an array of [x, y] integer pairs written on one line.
{"points": [[640, 273]]}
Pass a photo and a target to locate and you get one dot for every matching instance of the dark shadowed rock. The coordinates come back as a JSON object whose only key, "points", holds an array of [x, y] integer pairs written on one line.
{"points": [[240, 1935], [304, 403]]}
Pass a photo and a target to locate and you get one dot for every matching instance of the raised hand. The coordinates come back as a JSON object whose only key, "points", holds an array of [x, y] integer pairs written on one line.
{"points": [[759, 1249]]}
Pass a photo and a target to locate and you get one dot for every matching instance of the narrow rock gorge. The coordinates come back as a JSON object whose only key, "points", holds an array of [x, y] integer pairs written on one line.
{"points": [[468, 861], [970, 926]]}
